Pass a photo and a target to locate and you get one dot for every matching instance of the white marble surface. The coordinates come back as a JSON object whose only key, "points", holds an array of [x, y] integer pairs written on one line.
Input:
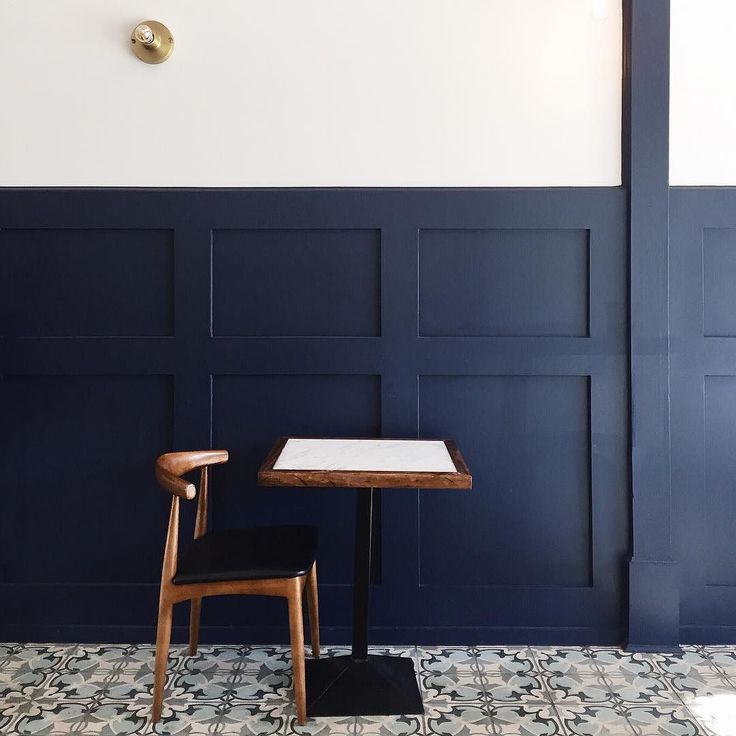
{"points": [[428, 456]]}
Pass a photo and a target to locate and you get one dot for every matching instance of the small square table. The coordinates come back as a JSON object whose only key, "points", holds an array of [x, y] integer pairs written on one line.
{"points": [[360, 684]]}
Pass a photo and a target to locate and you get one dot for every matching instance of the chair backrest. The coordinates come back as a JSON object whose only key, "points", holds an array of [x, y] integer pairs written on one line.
{"points": [[172, 465], [169, 470]]}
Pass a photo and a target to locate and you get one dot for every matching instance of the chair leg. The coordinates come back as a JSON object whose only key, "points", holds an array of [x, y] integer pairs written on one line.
{"points": [[163, 639], [313, 609], [196, 609], [296, 632]]}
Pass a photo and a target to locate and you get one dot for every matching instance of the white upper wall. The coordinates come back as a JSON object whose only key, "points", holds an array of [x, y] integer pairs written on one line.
{"points": [[702, 92], [312, 93]]}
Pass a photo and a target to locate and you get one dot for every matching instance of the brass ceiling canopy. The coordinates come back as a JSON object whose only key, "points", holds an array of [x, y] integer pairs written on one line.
{"points": [[152, 42]]}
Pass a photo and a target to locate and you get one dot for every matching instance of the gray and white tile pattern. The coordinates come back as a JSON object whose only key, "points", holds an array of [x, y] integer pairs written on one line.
{"points": [[50, 690]]}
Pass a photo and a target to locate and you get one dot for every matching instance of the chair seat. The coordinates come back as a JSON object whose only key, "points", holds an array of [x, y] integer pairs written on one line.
{"points": [[248, 554]]}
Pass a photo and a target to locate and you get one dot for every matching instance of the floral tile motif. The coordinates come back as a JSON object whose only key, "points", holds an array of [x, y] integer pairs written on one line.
{"points": [[26, 668], [106, 718], [332, 651], [663, 720], [526, 720], [263, 684], [641, 689], [46, 716], [320, 726], [594, 720], [30, 709], [444, 719], [248, 719], [700, 686], [516, 661], [114, 672], [507, 687], [106, 690], [614, 661], [391, 651], [576, 688], [59, 717], [452, 686], [389, 725], [446, 658], [209, 674], [274, 658], [567, 661], [690, 662], [723, 659]]}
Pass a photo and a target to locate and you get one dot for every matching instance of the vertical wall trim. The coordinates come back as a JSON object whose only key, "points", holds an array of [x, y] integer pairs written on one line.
{"points": [[654, 598]]}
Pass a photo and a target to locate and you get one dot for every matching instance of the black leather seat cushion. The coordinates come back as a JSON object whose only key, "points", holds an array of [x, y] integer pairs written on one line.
{"points": [[248, 554]]}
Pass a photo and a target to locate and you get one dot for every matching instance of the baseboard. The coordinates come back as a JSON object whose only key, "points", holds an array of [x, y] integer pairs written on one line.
{"points": [[658, 648], [338, 635], [691, 634]]}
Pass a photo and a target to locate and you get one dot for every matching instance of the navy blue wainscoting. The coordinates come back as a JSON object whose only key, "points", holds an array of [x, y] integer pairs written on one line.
{"points": [[703, 405], [137, 321]]}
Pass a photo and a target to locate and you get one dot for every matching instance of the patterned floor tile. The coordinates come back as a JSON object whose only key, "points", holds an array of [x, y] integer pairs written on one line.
{"points": [[81, 680], [107, 689], [723, 658], [63, 717], [391, 651], [263, 684], [444, 719], [248, 719], [566, 661], [321, 726], [578, 689], [334, 651], [700, 686], [614, 661], [663, 720], [208, 675], [526, 720], [594, 720], [442, 659], [510, 675], [516, 660], [508, 687], [27, 714], [642, 689], [26, 668], [389, 725], [683, 665], [453, 686], [275, 659]]}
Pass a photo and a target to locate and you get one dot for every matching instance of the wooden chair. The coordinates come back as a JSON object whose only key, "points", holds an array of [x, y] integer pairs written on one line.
{"points": [[277, 560]]}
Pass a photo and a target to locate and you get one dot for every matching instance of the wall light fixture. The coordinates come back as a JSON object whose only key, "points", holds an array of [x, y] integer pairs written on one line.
{"points": [[152, 42]]}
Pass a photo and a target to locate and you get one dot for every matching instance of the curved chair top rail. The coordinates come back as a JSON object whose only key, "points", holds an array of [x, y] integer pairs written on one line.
{"points": [[172, 465]]}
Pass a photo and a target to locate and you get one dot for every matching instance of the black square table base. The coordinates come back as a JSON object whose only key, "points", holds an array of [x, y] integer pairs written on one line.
{"points": [[376, 686]]}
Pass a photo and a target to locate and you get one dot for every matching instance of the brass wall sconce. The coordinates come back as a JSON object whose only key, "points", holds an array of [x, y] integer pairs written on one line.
{"points": [[152, 42]]}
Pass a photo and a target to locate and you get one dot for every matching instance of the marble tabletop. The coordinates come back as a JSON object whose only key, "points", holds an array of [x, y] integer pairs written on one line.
{"points": [[423, 456]]}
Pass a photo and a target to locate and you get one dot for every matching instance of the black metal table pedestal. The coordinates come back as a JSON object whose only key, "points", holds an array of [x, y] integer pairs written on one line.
{"points": [[360, 684]]}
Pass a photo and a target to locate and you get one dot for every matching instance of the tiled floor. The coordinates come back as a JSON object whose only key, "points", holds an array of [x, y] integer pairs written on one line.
{"points": [[477, 690]]}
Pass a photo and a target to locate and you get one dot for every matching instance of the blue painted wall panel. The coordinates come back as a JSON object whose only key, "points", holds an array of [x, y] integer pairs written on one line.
{"points": [[296, 282], [315, 296], [703, 391], [80, 505], [71, 282], [527, 439], [719, 276], [509, 283]]}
